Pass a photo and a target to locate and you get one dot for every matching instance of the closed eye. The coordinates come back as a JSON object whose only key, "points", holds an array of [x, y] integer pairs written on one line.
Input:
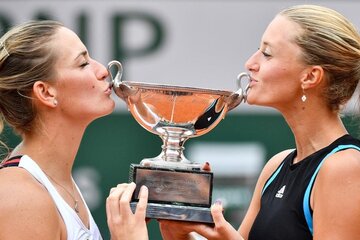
{"points": [[265, 54], [84, 64]]}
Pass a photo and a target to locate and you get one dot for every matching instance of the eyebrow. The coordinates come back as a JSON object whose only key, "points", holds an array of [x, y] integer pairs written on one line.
{"points": [[83, 53], [266, 43]]}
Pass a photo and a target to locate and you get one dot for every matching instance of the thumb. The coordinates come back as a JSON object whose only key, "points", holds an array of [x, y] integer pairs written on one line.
{"points": [[217, 213], [142, 204], [216, 230], [222, 227]]}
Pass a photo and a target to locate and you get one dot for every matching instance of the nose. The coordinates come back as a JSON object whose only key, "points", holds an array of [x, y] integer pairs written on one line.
{"points": [[252, 65], [101, 71]]}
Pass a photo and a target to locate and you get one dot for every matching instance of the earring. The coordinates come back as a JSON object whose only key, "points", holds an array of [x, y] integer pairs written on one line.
{"points": [[303, 98], [55, 102]]}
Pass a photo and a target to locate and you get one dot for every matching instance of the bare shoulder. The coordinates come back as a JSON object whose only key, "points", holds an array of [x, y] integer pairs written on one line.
{"points": [[269, 168], [341, 172], [344, 163], [336, 197], [27, 210], [273, 163]]}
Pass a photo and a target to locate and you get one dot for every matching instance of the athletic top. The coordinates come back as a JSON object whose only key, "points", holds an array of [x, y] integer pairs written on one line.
{"points": [[285, 211], [76, 230]]}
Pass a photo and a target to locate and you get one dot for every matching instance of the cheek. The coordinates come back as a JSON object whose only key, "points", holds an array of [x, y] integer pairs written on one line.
{"points": [[86, 93], [86, 89], [266, 90], [276, 71], [77, 92]]}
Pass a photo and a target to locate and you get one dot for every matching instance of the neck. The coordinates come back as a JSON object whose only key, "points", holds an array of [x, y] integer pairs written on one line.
{"points": [[54, 150], [314, 130]]}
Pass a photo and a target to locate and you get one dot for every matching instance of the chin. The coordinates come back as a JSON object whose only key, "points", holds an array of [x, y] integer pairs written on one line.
{"points": [[250, 101], [110, 109], [106, 110]]}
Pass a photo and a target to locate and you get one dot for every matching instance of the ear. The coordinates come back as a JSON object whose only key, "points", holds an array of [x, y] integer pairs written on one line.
{"points": [[313, 77], [45, 93]]}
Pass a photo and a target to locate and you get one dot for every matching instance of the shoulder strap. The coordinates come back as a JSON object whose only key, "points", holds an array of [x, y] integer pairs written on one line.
{"points": [[306, 200], [12, 162], [271, 179]]}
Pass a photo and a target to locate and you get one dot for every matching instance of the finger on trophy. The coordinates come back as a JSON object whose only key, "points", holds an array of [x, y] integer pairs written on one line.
{"points": [[206, 167]]}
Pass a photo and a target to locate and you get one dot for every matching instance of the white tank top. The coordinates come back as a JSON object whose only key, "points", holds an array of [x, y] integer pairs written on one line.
{"points": [[76, 230]]}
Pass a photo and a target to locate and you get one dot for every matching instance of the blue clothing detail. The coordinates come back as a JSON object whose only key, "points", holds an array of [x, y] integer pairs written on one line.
{"points": [[306, 201], [272, 178]]}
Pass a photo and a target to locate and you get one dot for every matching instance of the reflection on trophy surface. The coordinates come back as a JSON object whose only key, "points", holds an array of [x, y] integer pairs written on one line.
{"points": [[178, 188]]}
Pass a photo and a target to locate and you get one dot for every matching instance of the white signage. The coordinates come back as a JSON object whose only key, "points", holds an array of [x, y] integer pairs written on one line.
{"points": [[192, 43]]}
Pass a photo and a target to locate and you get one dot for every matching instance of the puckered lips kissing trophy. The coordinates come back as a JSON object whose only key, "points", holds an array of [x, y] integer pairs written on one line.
{"points": [[178, 187]]}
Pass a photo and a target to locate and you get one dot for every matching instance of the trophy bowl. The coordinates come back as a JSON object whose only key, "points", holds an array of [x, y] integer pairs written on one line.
{"points": [[178, 187]]}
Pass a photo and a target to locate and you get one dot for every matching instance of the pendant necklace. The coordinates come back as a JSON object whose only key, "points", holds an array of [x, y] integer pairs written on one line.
{"points": [[76, 205]]}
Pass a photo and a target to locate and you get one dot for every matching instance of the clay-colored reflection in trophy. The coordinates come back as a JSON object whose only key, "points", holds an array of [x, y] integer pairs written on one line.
{"points": [[178, 188]]}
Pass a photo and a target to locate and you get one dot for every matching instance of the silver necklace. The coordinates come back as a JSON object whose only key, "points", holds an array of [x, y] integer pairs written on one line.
{"points": [[76, 202]]}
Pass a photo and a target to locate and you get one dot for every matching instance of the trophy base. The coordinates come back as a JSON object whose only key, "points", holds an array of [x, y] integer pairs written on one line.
{"points": [[174, 194], [158, 162], [179, 213]]}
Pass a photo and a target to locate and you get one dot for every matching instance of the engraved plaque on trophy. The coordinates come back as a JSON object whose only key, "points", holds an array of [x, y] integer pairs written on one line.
{"points": [[178, 187]]}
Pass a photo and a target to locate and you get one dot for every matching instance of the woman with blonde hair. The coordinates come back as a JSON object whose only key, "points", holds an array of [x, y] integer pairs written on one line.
{"points": [[50, 91], [307, 67]]}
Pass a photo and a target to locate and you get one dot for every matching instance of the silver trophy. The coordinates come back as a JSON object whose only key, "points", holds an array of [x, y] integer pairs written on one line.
{"points": [[178, 187]]}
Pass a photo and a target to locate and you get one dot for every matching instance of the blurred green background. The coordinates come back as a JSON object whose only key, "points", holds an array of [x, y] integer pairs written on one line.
{"points": [[113, 142]]}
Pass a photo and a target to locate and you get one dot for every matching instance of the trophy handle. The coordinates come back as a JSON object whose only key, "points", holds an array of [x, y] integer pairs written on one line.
{"points": [[119, 71], [241, 91]]}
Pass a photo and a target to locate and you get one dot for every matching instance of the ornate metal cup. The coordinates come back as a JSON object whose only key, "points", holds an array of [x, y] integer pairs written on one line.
{"points": [[178, 188]]}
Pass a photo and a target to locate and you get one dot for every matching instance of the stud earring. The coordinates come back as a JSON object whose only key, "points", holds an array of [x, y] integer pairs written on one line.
{"points": [[55, 102], [303, 98]]}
